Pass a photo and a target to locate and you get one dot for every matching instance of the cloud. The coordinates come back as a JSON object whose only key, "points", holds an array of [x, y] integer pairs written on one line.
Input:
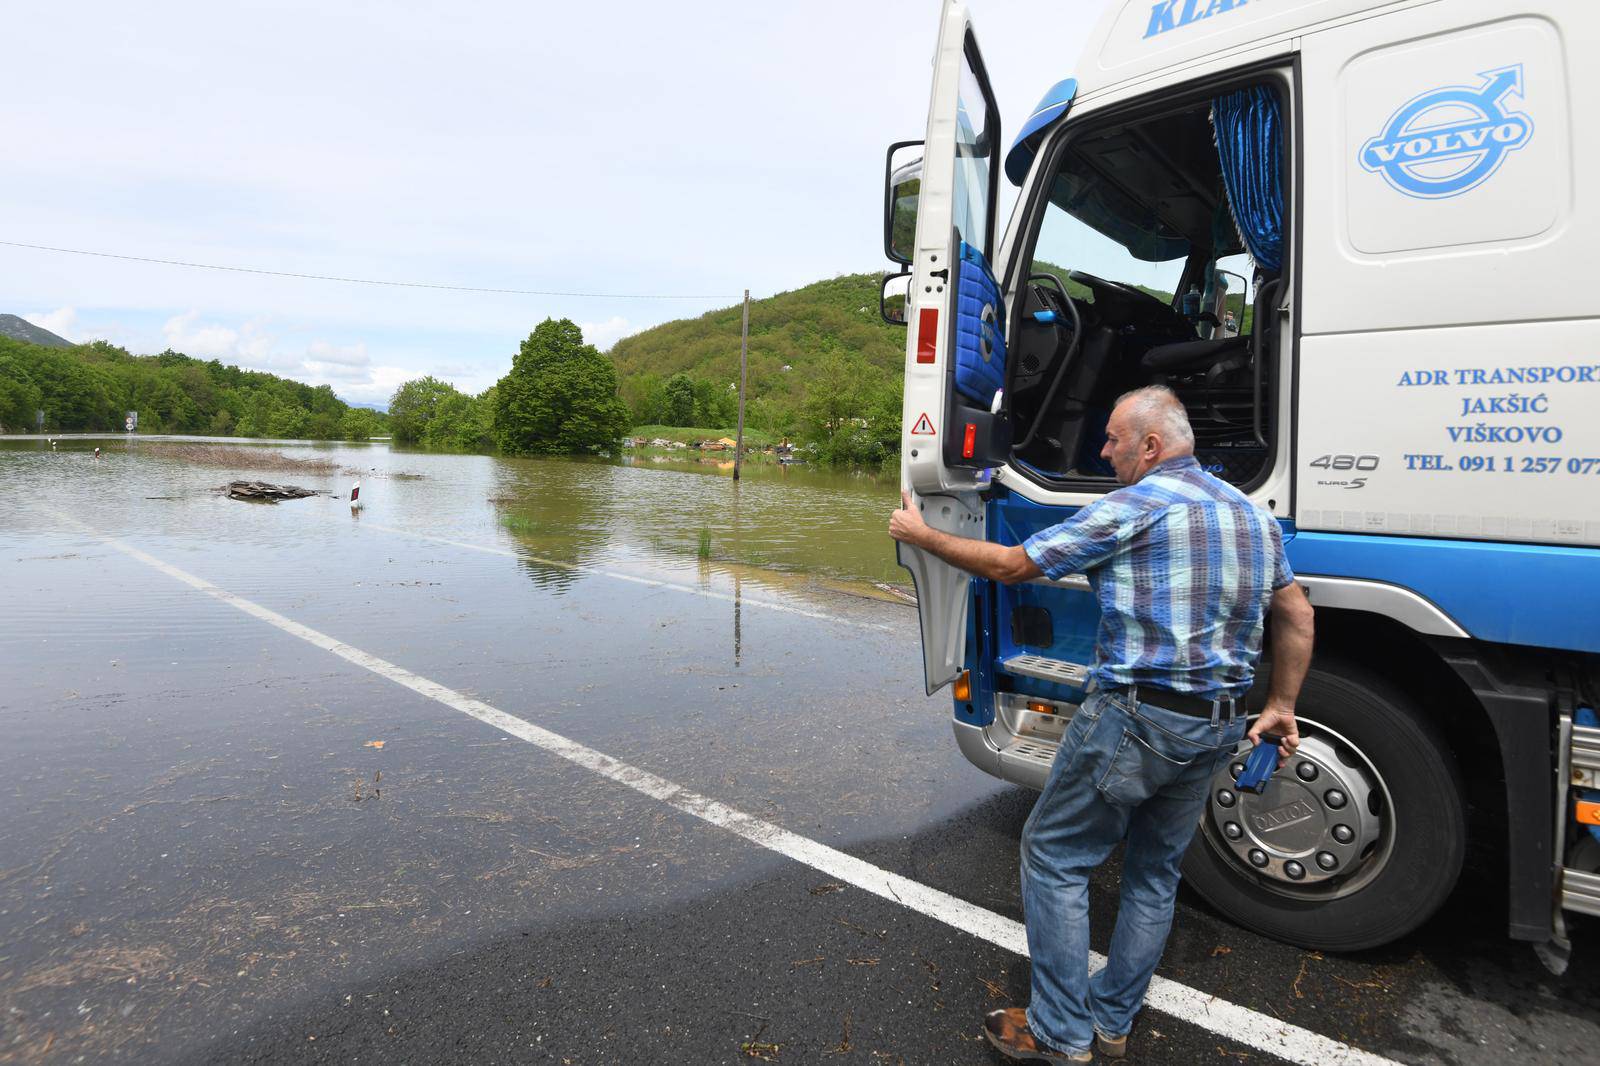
{"points": [[379, 386], [249, 345], [63, 321], [320, 351], [604, 334]]}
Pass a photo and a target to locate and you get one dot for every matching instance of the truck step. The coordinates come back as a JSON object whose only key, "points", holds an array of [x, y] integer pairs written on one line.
{"points": [[1580, 891], [1028, 749], [1044, 669]]}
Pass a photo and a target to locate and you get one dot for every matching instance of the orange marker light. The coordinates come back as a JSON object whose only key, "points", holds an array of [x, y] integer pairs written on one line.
{"points": [[963, 686], [1041, 707], [1588, 813]]}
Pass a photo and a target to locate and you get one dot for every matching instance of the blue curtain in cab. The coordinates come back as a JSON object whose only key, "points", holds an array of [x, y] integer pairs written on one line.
{"points": [[1249, 132]]}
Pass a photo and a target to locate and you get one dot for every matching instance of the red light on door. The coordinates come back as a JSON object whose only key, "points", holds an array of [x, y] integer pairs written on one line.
{"points": [[928, 335], [969, 440]]}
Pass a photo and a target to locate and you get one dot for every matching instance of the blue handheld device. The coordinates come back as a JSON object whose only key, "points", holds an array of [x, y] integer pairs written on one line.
{"points": [[1259, 767]]}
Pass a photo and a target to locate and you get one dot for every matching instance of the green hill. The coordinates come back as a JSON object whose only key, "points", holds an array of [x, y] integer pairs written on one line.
{"points": [[804, 330]]}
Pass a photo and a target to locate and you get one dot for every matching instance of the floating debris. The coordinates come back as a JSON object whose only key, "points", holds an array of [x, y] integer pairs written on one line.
{"points": [[263, 490]]}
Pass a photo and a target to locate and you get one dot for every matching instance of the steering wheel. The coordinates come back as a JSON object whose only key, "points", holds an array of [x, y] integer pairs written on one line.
{"points": [[1128, 291]]}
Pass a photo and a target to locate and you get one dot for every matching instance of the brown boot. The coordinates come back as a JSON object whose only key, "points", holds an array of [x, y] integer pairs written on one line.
{"points": [[1112, 1047], [1008, 1031]]}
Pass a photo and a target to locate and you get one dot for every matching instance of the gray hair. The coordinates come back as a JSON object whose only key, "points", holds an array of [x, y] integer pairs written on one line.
{"points": [[1157, 409]]}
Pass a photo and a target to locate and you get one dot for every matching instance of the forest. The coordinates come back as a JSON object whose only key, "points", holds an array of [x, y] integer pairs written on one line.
{"points": [[91, 387]]}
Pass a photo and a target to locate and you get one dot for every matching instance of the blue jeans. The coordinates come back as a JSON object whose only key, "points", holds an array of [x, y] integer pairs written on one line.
{"points": [[1136, 772]]}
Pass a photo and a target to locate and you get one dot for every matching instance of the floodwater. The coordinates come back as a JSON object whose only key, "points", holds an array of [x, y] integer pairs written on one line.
{"points": [[227, 834], [207, 818]]}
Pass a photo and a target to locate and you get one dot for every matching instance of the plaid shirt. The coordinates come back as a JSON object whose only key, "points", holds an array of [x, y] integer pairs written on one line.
{"points": [[1184, 567]]}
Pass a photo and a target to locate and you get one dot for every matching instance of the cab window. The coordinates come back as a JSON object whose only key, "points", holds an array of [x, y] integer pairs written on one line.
{"points": [[977, 132], [1139, 274]]}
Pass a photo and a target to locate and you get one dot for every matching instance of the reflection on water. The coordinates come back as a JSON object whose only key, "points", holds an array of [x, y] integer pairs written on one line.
{"points": [[775, 518], [788, 528]]}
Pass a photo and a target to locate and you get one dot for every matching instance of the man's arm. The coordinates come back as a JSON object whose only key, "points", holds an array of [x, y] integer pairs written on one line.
{"points": [[1292, 634], [994, 561]]}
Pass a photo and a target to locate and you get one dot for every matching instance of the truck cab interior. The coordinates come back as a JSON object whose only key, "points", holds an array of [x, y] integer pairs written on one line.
{"points": [[1156, 258]]}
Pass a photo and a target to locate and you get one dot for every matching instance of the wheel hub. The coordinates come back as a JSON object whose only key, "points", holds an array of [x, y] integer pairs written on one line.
{"points": [[1317, 820]]}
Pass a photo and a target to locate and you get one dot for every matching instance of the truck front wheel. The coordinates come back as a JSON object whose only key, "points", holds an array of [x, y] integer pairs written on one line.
{"points": [[1355, 842]]}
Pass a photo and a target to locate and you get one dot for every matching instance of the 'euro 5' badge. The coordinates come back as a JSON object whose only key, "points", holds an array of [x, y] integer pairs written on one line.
{"points": [[1452, 139]]}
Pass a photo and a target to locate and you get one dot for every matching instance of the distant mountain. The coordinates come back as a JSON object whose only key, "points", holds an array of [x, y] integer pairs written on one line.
{"points": [[20, 329]]}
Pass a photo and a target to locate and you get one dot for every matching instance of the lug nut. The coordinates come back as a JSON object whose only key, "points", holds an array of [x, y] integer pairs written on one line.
{"points": [[1294, 870], [1334, 798], [1226, 798], [1327, 860], [1307, 771], [1236, 769], [1233, 830], [1343, 834], [1257, 857]]}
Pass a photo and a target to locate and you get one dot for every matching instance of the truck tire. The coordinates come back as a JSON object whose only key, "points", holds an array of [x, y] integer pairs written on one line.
{"points": [[1354, 850]]}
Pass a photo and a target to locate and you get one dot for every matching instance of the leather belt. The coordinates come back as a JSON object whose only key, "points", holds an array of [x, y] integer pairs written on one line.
{"points": [[1180, 702]]}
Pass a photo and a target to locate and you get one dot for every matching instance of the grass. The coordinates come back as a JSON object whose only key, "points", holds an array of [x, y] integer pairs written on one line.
{"points": [[704, 548], [242, 458], [518, 524]]}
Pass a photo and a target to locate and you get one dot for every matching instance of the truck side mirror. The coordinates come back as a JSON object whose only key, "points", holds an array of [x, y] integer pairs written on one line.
{"points": [[895, 298], [902, 185]]}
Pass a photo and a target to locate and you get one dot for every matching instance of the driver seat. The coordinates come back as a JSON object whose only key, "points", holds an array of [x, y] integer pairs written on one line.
{"points": [[1193, 357]]}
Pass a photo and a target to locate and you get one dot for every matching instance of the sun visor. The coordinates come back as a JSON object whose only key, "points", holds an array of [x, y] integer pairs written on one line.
{"points": [[1052, 109]]}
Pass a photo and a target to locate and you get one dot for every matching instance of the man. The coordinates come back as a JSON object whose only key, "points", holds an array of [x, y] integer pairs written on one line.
{"points": [[1184, 567]]}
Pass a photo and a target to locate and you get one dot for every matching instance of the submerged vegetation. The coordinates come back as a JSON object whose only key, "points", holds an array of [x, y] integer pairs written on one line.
{"points": [[235, 457]]}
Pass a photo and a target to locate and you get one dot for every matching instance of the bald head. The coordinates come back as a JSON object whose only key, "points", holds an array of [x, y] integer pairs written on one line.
{"points": [[1147, 426]]}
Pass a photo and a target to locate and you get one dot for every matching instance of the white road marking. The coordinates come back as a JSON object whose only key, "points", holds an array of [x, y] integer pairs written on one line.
{"points": [[672, 586], [1239, 1024]]}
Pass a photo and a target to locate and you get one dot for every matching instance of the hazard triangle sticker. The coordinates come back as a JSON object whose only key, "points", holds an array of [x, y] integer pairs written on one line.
{"points": [[924, 426]]}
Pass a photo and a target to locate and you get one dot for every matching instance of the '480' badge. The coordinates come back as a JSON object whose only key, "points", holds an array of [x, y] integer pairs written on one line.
{"points": [[1451, 139]]}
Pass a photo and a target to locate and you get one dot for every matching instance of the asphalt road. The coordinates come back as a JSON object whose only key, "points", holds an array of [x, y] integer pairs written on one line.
{"points": [[225, 843]]}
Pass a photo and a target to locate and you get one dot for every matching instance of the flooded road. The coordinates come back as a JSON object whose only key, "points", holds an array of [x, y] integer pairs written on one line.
{"points": [[260, 807]]}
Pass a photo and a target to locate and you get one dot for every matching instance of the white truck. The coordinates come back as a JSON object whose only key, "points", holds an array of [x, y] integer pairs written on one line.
{"points": [[1397, 205]]}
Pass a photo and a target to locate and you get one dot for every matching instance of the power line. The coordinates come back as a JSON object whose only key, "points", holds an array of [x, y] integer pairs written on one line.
{"points": [[360, 281]]}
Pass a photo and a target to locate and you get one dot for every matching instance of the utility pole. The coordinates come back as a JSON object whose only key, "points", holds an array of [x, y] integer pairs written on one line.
{"points": [[744, 347]]}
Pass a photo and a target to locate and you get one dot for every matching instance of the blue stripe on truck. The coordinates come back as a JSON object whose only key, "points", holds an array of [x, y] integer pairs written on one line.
{"points": [[1541, 595]]}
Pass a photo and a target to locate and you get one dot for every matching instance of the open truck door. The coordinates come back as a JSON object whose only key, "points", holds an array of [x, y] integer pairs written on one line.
{"points": [[955, 318]]}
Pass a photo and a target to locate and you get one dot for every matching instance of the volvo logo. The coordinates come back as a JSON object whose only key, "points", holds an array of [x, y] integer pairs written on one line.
{"points": [[1452, 139], [1283, 817], [988, 332]]}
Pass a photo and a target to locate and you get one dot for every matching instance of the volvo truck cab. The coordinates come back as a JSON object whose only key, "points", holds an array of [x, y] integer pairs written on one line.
{"points": [[1352, 236]]}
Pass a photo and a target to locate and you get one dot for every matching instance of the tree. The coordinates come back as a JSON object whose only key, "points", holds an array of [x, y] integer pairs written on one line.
{"points": [[677, 401], [413, 405], [461, 423], [845, 410], [358, 423], [560, 396], [19, 396]]}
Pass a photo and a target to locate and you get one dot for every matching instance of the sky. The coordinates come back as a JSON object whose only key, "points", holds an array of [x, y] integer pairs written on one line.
{"points": [[623, 149]]}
